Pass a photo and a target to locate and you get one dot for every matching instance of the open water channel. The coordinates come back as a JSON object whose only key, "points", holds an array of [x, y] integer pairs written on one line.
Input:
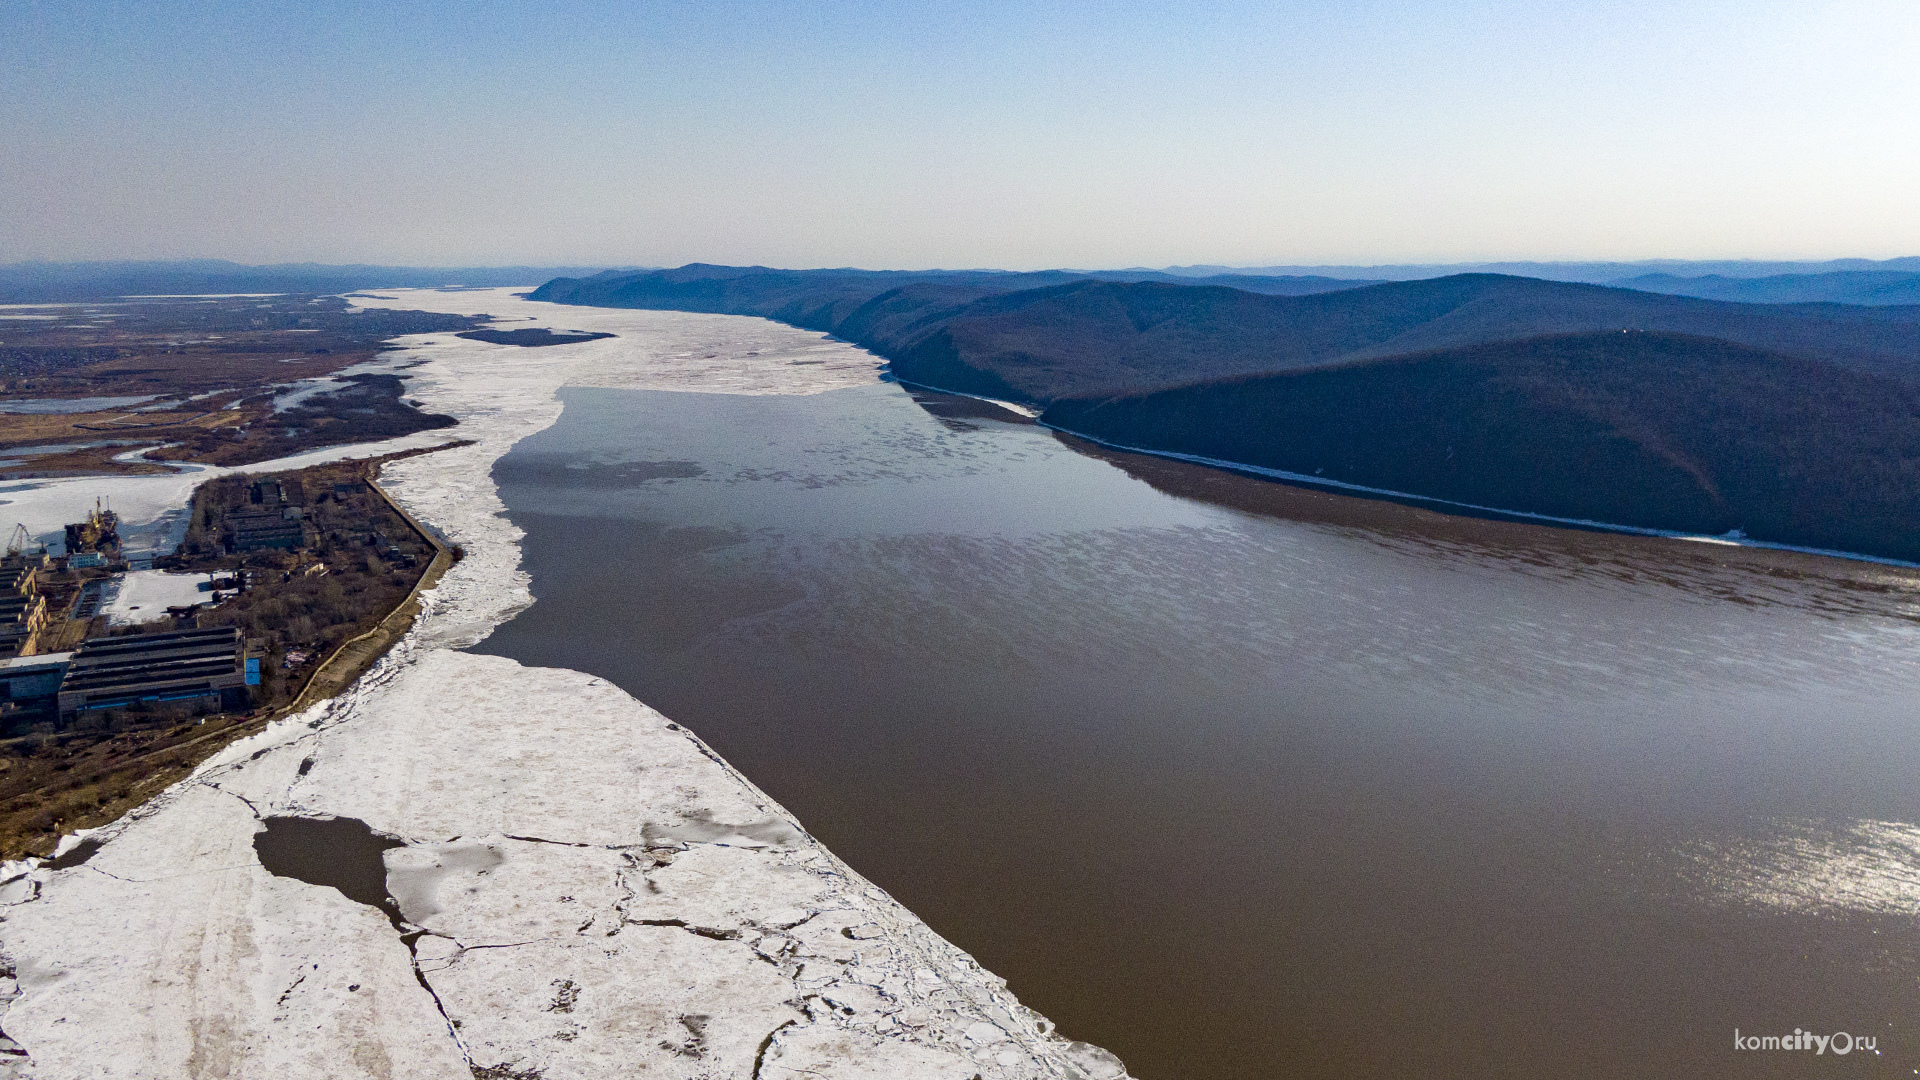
{"points": [[1244, 780]]}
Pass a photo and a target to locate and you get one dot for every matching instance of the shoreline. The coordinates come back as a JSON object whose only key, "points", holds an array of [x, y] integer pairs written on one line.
{"points": [[717, 933], [59, 785], [1387, 494]]}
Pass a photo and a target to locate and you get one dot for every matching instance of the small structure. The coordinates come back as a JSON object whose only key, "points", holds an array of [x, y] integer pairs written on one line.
{"points": [[17, 556], [185, 666]]}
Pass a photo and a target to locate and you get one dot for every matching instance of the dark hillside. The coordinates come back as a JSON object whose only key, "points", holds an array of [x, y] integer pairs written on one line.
{"points": [[1798, 423], [1088, 339], [1650, 429], [812, 299], [1102, 337], [1281, 285]]}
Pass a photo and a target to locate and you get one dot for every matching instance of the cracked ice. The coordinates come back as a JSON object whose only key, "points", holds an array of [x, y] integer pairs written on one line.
{"points": [[579, 887]]}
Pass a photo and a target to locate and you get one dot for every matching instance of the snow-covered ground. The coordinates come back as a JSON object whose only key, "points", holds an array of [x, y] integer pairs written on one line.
{"points": [[143, 595], [585, 889]]}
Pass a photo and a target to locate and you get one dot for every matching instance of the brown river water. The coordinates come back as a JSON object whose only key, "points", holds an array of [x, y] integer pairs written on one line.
{"points": [[1246, 780]]}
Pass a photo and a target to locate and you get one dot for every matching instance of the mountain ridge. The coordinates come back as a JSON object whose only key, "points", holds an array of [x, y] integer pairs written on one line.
{"points": [[1042, 336]]}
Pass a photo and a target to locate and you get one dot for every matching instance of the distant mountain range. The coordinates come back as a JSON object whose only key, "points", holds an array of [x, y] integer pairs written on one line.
{"points": [[1039, 337], [1836, 281], [1796, 423], [46, 282], [1873, 287], [1592, 273], [1845, 281]]}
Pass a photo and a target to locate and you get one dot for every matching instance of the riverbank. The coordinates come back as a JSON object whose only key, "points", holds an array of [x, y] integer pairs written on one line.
{"points": [[584, 886], [56, 781]]}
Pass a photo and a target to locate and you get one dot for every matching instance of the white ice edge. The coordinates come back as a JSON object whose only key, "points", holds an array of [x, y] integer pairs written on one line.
{"points": [[600, 892]]}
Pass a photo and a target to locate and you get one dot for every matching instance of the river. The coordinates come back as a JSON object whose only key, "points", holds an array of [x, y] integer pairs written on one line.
{"points": [[1238, 779]]}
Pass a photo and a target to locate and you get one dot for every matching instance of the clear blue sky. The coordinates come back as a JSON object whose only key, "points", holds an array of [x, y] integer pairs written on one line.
{"points": [[1017, 134]]}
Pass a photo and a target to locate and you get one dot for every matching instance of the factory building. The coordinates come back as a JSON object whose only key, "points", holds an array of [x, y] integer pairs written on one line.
{"points": [[256, 530], [29, 686], [271, 518], [23, 611], [184, 666]]}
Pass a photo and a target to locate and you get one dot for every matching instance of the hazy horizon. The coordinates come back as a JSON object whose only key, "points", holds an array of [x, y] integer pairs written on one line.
{"points": [[1755, 267], [983, 134]]}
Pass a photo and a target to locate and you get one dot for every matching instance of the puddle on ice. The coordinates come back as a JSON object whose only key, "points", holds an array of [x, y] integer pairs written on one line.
{"points": [[416, 874], [342, 853]]}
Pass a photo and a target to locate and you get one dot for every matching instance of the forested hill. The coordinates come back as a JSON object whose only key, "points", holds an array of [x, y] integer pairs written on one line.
{"points": [[1648, 429], [1039, 337]]}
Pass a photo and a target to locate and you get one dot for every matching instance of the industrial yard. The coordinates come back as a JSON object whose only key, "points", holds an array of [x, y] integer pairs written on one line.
{"points": [[287, 586]]}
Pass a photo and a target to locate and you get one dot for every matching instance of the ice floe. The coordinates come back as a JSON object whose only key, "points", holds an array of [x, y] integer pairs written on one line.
{"points": [[582, 888]]}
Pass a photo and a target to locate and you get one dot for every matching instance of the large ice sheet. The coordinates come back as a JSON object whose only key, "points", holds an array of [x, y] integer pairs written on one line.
{"points": [[658, 350], [584, 888]]}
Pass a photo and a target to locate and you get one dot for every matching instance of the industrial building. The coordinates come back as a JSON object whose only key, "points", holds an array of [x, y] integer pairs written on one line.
{"points": [[271, 518], [258, 530], [183, 666], [29, 686], [23, 611]]}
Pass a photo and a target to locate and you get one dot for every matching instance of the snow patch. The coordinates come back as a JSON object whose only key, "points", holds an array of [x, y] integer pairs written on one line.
{"points": [[144, 595]]}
